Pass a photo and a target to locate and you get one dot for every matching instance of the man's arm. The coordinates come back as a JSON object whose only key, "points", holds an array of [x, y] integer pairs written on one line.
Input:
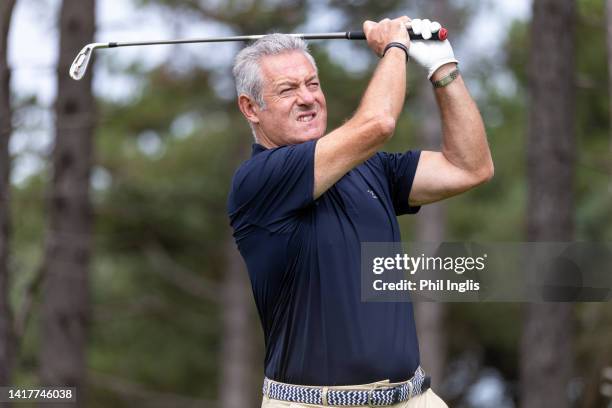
{"points": [[374, 122], [465, 160]]}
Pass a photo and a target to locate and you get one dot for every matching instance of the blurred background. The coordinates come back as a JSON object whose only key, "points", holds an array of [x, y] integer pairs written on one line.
{"points": [[118, 272]]}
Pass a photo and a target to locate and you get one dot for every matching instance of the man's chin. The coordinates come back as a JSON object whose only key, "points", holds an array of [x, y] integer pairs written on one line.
{"points": [[308, 137], [311, 134]]}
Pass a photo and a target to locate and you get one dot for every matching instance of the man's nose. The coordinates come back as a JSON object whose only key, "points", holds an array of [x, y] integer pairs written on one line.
{"points": [[305, 96]]}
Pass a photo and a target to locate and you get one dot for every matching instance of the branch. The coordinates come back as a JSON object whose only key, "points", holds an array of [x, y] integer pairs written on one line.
{"points": [[24, 313], [181, 277], [136, 307]]}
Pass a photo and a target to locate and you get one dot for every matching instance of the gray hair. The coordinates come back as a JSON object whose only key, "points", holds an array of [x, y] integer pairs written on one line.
{"points": [[247, 73]]}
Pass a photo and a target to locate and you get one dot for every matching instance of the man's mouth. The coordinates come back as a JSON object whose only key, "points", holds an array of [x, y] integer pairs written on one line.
{"points": [[306, 117]]}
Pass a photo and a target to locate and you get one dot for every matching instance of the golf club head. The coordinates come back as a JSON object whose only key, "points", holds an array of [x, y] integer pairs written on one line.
{"points": [[79, 66]]}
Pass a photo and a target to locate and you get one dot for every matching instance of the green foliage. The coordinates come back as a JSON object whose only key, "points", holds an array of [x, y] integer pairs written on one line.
{"points": [[167, 200], [244, 17], [593, 143], [170, 152]]}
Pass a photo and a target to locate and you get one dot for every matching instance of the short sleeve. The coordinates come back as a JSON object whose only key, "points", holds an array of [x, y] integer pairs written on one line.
{"points": [[400, 169], [271, 187]]}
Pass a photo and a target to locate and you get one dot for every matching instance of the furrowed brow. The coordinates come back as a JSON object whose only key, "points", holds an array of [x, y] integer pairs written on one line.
{"points": [[284, 82]]}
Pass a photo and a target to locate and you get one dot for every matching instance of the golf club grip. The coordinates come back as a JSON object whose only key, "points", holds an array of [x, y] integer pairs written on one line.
{"points": [[441, 35]]}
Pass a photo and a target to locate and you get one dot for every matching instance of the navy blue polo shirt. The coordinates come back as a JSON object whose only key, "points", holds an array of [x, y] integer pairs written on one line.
{"points": [[303, 260]]}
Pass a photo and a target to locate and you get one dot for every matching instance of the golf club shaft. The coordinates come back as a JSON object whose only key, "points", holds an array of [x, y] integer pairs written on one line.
{"points": [[348, 35], [79, 66]]}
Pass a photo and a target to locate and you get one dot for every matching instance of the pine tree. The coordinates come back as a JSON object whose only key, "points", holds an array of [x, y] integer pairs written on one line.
{"points": [[65, 297], [546, 349], [6, 332]]}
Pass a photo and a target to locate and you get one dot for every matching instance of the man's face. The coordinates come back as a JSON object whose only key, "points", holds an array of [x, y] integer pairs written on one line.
{"points": [[295, 109]]}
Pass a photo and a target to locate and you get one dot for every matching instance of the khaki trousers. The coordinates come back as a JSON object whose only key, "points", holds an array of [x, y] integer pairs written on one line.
{"points": [[426, 400]]}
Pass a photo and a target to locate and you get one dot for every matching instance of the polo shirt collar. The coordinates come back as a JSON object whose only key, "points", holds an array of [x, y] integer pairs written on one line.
{"points": [[257, 148]]}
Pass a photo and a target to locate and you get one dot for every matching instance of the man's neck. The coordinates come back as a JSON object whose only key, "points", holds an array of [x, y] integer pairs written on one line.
{"points": [[261, 139]]}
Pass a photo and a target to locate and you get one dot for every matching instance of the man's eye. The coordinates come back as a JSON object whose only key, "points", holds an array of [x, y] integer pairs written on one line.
{"points": [[285, 91], [313, 85]]}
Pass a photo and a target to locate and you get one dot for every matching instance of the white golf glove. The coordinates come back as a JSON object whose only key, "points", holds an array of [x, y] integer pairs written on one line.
{"points": [[431, 55]]}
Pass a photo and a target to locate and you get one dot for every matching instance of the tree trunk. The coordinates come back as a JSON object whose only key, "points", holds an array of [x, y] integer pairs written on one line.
{"points": [[65, 301], [546, 345], [236, 389], [609, 46], [6, 332], [431, 227]]}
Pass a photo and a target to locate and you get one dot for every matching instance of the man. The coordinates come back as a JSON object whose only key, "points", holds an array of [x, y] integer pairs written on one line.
{"points": [[303, 203]]}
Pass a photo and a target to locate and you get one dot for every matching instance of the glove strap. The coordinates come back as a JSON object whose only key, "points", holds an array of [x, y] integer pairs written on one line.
{"points": [[398, 45], [441, 83]]}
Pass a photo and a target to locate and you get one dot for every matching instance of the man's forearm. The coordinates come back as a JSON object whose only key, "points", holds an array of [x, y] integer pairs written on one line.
{"points": [[386, 91], [464, 137]]}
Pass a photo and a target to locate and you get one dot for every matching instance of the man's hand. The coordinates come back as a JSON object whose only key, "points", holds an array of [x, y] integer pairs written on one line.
{"points": [[386, 31], [431, 55]]}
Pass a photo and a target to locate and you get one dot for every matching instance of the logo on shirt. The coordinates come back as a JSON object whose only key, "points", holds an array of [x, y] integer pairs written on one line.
{"points": [[373, 194]]}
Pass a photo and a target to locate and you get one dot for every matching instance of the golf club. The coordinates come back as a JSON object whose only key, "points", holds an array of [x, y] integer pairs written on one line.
{"points": [[79, 66]]}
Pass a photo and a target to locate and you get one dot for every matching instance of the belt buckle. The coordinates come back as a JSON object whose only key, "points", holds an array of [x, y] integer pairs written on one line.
{"points": [[371, 392]]}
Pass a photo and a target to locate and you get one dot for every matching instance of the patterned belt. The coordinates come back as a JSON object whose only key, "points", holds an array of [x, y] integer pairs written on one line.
{"points": [[378, 395]]}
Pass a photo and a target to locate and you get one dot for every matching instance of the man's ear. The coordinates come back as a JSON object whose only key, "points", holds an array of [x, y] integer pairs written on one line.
{"points": [[249, 108]]}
